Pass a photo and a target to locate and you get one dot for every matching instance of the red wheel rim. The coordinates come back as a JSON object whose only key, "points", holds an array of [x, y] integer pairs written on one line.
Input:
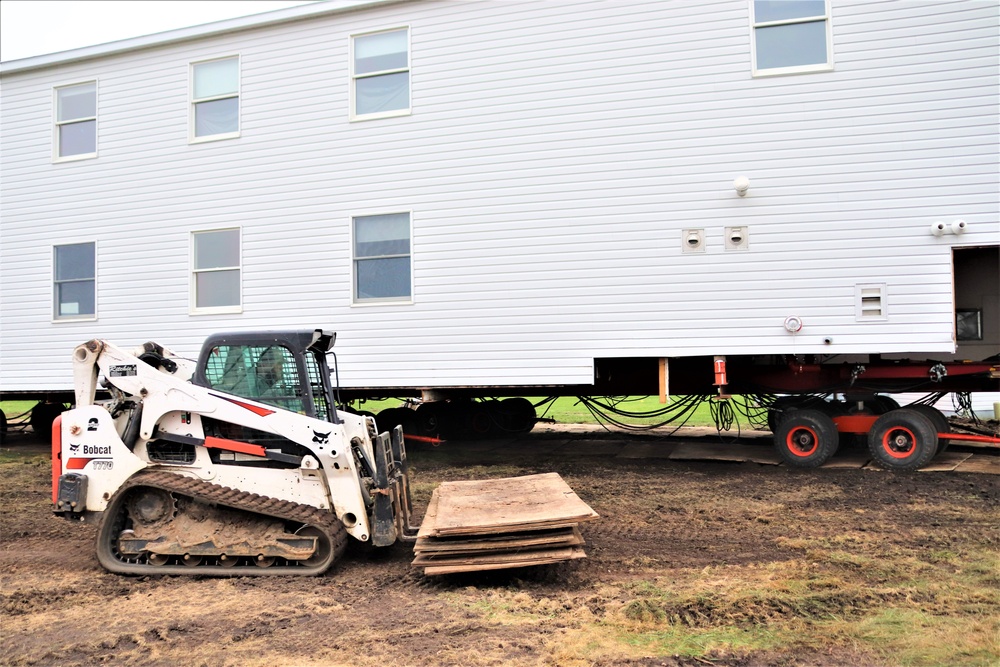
{"points": [[899, 442], [802, 441]]}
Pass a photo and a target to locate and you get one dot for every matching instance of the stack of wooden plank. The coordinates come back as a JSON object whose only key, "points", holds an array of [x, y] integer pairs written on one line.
{"points": [[495, 524]]}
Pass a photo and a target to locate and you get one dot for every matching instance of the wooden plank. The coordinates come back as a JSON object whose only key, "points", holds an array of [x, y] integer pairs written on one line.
{"points": [[430, 516], [509, 504], [499, 557], [538, 559], [946, 462], [850, 461], [558, 537], [647, 450], [722, 452], [604, 448], [980, 463]]}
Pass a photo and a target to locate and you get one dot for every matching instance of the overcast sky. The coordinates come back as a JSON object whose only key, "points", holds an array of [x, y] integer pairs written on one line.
{"points": [[36, 27]]}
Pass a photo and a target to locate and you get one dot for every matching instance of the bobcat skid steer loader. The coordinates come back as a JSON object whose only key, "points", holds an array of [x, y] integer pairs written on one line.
{"points": [[239, 464]]}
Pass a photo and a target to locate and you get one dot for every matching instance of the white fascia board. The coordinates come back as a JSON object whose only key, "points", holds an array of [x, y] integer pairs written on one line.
{"points": [[194, 32]]}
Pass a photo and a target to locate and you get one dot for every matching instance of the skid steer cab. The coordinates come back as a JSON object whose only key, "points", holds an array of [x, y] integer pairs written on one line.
{"points": [[240, 463]]}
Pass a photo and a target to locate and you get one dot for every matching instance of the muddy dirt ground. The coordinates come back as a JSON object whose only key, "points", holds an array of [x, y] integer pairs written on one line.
{"points": [[665, 525]]}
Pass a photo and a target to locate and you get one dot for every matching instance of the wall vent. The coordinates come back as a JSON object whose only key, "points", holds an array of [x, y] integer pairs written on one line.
{"points": [[693, 240], [870, 303]]}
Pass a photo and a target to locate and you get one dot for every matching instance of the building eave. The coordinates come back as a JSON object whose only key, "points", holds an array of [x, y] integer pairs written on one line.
{"points": [[287, 15]]}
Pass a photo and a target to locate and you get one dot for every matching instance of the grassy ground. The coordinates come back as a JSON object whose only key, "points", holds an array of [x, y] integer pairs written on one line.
{"points": [[564, 410], [691, 564], [15, 408], [572, 410]]}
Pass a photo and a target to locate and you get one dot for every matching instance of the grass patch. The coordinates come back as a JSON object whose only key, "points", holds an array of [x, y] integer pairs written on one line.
{"points": [[920, 612], [570, 410], [14, 409], [698, 643]]}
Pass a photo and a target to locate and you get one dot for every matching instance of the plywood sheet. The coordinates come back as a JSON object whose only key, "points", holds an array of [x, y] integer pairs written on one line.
{"points": [[980, 463], [946, 462], [562, 537], [509, 504], [646, 450], [848, 461], [723, 452], [592, 448], [509, 561]]}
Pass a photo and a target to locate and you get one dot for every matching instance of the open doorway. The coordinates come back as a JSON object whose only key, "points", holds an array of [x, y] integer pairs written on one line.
{"points": [[977, 302]]}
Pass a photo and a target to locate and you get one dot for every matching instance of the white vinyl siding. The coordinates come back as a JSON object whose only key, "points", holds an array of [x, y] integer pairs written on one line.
{"points": [[382, 262], [380, 74], [75, 134], [791, 36], [551, 169], [216, 271], [215, 99], [74, 278]]}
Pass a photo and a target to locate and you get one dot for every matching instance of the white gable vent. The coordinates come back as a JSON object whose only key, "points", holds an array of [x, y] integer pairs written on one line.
{"points": [[869, 303]]}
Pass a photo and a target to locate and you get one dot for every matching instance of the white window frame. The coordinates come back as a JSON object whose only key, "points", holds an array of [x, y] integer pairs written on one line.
{"points": [[194, 271], [797, 69], [56, 123], [56, 317], [385, 301], [870, 290], [193, 102], [354, 116]]}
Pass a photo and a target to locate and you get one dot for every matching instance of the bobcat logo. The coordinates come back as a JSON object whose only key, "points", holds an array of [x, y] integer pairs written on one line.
{"points": [[321, 438], [74, 449]]}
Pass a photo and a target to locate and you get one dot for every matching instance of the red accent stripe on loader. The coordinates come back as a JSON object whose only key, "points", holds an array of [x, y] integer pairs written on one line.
{"points": [[256, 409], [56, 456], [81, 463], [235, 446]]}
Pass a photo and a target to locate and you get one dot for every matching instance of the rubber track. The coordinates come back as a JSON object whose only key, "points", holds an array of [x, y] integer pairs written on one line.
{"points": [[255, 503]]}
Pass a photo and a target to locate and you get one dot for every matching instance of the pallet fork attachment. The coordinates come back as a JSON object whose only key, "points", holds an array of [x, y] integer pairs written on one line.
{"points": [[393, 504]]}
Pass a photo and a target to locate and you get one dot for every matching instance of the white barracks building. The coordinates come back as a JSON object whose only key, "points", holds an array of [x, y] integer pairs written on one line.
{"points": [[511, 193]]}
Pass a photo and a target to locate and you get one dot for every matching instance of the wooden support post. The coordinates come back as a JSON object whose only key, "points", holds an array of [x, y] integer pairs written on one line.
{"points": [[664, 380]]}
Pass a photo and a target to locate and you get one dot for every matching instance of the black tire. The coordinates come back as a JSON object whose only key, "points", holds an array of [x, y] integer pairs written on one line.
{"points": [[390, 418], [941, 423], [516, 415], [882, 404], [3, 427], [785, 406], [903, 439], [42, 416], [429, 418], [806, 439], [782, 408], [479, 421]]}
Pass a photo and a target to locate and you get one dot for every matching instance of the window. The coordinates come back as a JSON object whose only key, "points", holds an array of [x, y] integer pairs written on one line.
{"points": [[267, 374], [75, 281], [381, 74], [382, 258], [869, 303], [76, 121], [791, 36], [215, 99], [969, 324], [215, 280]]}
